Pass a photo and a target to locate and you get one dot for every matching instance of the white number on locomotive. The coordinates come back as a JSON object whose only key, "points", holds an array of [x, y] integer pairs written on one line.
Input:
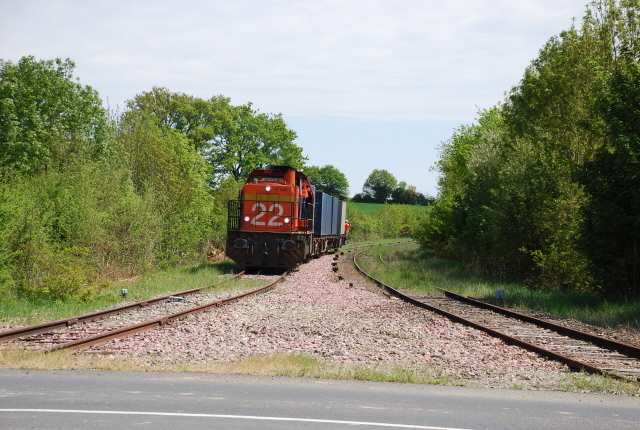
{"points": [[263, 210]]}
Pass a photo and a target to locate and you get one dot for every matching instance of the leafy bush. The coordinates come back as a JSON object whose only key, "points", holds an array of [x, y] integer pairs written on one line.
{"points": [[81, 225], [57, 275]]}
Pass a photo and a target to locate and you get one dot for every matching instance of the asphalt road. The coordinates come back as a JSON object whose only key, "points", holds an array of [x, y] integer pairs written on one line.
{"points": [[114, 400]]}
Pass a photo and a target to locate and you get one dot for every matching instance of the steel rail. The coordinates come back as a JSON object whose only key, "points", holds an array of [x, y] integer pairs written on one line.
{"points": [[629, 350], [158, 322], [94, 316], [573, 364]]}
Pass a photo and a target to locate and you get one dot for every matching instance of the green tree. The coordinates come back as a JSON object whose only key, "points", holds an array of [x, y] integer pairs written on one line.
{"points": [[234, 140], [407, 195], [379, 185], [200, 120], [252, 139], [47, 120], [328, 179], [611, 231], [399, 194], [165, 165]]}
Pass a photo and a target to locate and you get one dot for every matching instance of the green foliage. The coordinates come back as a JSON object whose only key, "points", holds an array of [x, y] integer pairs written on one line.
{"points": [[398, 220], [57, 275], [84, 200], [329, 180], [47, 120], [165, 166], [364, 226], [56, 230], [6, 281], [611, 232], [408, 195], [379, 186], [198, 119], [234, 140], [250, 140]]}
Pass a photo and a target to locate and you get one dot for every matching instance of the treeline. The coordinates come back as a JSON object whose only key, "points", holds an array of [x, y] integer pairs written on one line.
{"points": [[382, 186], [87, 196], [545, 188]]}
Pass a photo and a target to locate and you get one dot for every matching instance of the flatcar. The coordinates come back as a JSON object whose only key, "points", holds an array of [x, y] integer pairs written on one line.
{"points": [[280, 220]]}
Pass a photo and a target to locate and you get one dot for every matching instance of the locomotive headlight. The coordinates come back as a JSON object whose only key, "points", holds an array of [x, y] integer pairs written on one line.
{"points": [[247, 218], [267, 188], [286, 220]]}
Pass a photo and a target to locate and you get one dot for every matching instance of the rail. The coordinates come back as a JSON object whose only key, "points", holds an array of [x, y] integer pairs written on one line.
{"points": [[575, 364], [106, 336]]}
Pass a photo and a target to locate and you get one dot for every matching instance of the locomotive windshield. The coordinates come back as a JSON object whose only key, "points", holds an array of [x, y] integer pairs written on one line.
{"points": [[256, 179]]}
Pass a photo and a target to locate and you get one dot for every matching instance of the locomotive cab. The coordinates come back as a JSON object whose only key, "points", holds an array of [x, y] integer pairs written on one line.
{"points": [[276, 200]]}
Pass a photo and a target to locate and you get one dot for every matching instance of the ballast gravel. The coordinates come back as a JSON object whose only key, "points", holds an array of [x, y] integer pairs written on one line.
{"points": [[313, 312]]}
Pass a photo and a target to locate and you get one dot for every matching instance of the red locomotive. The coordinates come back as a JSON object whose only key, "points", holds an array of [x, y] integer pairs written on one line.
{"points": [[280, 220]]}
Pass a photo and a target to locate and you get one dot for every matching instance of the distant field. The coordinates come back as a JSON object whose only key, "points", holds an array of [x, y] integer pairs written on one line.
{"points": [[369, 208]]}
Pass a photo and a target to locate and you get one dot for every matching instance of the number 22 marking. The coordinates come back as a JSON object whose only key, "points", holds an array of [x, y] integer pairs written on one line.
{"points": [[263, 210]]}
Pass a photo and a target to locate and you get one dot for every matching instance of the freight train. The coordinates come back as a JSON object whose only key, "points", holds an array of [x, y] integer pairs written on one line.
{"points": [[280, 220]]}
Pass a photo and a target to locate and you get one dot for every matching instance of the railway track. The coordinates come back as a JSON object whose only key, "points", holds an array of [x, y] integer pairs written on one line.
{"points": [[99, 327], [578, 350]]}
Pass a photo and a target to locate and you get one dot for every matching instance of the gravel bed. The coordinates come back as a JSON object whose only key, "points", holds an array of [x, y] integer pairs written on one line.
{"points": [[349, 323]]}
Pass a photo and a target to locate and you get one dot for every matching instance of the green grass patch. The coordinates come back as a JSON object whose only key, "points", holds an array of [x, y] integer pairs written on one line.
{"points": [[352, 245], [411, 268], [583, 382], [366, 208], [370, 208], [21, 311]]}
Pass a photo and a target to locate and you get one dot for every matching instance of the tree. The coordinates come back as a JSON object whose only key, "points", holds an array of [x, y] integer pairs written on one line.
{"points": [[399, 194], [47, 120], [611, 231], [329, 180], [200, 120], [379, 185], [233, 139], [249, 140], [162, 163], [408, 195]]}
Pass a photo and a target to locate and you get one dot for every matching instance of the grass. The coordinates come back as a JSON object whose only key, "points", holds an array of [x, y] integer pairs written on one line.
{"points": [[370, 208], [288, 365], [409, 267], [354, 245], [20, 311], [292, 365]]}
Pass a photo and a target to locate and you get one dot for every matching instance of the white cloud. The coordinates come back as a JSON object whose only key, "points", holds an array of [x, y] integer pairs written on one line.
{"points": [[419, 60]]}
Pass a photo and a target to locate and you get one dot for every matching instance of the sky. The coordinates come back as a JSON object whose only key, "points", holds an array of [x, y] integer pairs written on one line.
{"points": [[366, 84]]}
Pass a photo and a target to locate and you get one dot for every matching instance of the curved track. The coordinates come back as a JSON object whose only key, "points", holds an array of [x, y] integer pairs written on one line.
{"points": [[69, 334], [579, 350]]}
